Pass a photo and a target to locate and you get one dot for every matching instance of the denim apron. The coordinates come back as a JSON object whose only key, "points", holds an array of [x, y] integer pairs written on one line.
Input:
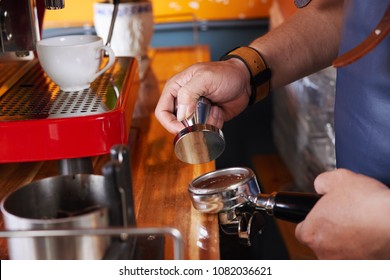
{"points": [[362, 105]]}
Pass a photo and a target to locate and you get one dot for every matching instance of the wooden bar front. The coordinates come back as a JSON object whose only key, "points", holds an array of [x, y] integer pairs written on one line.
{"points": [[160, 180]]}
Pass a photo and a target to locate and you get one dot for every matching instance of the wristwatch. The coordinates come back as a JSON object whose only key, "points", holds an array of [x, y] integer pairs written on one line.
{"points": [[260, 74]]}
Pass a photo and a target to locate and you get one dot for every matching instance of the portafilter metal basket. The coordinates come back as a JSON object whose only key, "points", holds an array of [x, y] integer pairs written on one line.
{"points": [[226, 189]]}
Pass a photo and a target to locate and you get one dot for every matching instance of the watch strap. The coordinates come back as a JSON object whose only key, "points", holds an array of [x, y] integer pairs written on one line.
{"points": [[260, 74]]}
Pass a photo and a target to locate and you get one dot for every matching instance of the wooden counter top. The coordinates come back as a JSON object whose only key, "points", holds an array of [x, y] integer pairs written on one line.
{"points": [[160, 180]]}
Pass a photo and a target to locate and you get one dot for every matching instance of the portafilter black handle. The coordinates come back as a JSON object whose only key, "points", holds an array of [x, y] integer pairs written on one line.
{"points": [[288, 206]]}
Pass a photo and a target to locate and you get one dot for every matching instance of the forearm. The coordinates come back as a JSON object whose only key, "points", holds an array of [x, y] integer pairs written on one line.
{"points": [[316, 29]]}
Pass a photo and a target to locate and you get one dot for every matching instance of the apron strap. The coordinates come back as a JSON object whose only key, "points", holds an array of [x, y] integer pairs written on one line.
{"points": [[375, 37]]}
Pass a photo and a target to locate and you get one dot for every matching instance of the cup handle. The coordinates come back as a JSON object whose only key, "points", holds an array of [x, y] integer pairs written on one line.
{"points": [[111, 60]]}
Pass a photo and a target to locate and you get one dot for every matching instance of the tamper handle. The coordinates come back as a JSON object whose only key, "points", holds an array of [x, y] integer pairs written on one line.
{"points": [[288, 206], [201, 113]]}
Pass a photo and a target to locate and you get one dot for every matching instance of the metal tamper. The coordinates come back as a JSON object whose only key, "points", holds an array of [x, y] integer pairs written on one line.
{"points": [[199, 142]]}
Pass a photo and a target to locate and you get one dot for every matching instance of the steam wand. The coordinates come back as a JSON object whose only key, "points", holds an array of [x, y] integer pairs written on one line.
{"points": [[113, 19]]}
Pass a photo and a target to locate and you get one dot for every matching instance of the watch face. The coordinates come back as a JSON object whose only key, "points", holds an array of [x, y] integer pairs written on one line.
{"points": [[301, 3]]}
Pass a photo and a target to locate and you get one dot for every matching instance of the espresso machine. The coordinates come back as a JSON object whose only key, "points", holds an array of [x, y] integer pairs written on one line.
{"points": [[19, 25], [40, 122], [28, 95]]}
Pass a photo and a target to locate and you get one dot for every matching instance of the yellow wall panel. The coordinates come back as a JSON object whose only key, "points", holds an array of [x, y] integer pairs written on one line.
{"points": [[80, 12], [214, 9]]}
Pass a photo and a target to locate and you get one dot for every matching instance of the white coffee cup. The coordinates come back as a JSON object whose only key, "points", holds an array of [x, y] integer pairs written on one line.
{"points": [[73, 62]]}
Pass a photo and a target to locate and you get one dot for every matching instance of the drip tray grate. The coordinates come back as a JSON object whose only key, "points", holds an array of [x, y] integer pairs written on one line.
{"points": [[35, 96]]}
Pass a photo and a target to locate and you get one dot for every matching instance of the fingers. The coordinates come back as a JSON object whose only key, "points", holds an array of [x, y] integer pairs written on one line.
{"points": [[208, 80], [305, 232], [321, 185], [299, 233], [338, 178], [215, 117], [183, 90], [327, 180], [164, 111], [168, 120], [186, 99]]}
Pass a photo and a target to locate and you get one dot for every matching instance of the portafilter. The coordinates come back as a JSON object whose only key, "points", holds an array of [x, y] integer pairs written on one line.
{"points": [[226, 189]]}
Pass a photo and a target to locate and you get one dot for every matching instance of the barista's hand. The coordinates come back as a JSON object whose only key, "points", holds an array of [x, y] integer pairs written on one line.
{"points": [[224, 83], [351, 220]]}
